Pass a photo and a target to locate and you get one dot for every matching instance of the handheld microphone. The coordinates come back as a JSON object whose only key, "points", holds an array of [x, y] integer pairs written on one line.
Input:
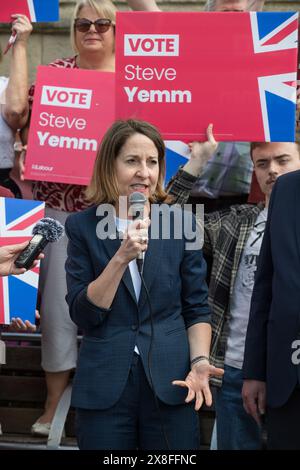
{"points": [[137, 203], [45, 231]]}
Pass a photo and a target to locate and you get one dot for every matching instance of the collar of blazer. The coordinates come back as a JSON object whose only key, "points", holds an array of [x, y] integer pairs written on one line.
{"points": [[151, 263]]}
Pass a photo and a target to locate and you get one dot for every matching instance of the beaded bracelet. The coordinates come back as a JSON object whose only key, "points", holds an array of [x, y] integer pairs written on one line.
{"points": [[198, 359]]}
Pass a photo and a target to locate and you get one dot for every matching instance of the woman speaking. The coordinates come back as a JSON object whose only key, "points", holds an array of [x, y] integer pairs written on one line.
{"points": [[135, 345]]}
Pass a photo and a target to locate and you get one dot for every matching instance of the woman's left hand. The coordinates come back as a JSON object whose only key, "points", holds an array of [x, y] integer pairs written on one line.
{"points": [[17, 324], [197, 382]]}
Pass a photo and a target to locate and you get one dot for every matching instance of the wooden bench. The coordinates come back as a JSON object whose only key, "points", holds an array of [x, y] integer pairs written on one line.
{"points": [[23, 394]]}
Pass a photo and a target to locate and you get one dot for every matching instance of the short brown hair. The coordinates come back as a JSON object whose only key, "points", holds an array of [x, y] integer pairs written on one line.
{"points": [[103, 187], [254, 145], [102, 7]]}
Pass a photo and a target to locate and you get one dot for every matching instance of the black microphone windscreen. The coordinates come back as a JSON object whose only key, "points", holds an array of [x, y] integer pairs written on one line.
{"points": [[49, 228]]}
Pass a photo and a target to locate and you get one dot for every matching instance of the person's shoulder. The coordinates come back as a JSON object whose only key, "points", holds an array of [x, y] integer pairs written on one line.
{"points": [[64, 62], [176, 210], [82, 218], [5, 192], [3, 81], [289, 180], [245, 209], [3, 85], [235, 211]]}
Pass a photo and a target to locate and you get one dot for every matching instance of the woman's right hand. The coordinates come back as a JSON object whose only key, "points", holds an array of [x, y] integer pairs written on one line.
{"points": [[135, 240], [21, 26]]}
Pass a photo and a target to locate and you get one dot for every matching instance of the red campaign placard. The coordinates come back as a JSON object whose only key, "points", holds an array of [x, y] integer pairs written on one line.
{"points": [[181, 71], [35, 10], [12, 7], [72, 110]]}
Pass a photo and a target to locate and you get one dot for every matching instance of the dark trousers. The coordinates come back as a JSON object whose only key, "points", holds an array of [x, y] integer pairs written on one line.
{"points": [[283, 424], [134, 421]]}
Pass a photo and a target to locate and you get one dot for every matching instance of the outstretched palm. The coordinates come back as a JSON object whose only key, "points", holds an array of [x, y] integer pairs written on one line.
{"points": [[197, 382]]}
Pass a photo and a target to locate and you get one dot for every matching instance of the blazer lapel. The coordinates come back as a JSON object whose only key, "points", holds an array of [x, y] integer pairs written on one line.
{"points": [[151, 266], [297, 217], [111, 246]]}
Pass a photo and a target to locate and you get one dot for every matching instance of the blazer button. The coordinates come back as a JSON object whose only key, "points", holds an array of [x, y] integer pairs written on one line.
{"points": [[134, 327]]}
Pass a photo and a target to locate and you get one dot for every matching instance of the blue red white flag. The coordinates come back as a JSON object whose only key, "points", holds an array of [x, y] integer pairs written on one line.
{"points": [[18, 294], [177, 154], [35, 10]]}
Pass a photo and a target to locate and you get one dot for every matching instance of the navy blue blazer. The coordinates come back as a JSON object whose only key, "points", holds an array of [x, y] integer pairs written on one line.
{"points": [[175, 278], [275, 307]]}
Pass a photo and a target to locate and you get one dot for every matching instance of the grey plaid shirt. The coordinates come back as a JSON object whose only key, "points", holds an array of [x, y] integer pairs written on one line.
{"points": [[225, 235]]}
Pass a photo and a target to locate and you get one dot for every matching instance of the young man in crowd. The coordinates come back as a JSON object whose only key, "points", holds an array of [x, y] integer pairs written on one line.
{"points": [[232, 242]]}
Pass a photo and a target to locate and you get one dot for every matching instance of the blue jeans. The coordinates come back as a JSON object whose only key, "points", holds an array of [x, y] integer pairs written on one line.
{"points": [[236, 430], [213, 439]]}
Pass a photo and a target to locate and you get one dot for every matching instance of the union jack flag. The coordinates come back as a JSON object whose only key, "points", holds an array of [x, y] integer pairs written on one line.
{"points": [[35, 10], [276, 32], [18, 294]]}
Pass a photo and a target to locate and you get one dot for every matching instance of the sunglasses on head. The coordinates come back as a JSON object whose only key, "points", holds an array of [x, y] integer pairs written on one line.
{"points": [[101, 25]]}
